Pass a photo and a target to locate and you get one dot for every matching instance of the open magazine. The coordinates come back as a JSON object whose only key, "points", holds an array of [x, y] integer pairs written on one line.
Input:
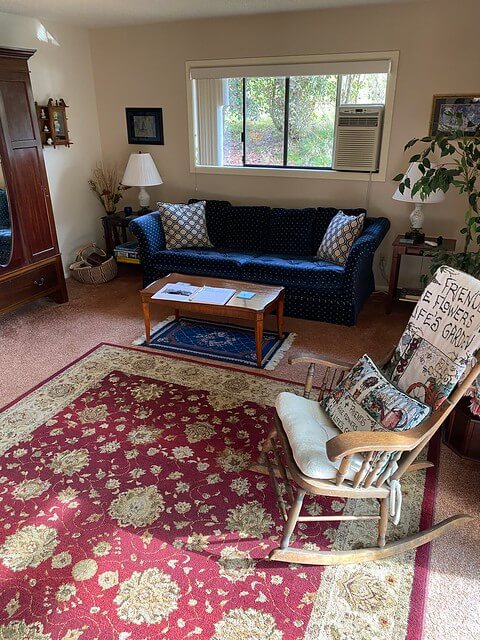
{"points": [[184, 292]]}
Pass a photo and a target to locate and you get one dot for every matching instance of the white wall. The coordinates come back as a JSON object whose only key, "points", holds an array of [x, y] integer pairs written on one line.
{"points": [[65, 70], [145, 66]]}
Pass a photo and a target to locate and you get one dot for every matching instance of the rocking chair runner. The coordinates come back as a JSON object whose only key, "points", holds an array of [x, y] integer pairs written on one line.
{"points": [[363, 464]]}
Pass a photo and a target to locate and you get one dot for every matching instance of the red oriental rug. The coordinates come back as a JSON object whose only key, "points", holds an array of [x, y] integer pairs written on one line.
{"points": [[128, 512]]}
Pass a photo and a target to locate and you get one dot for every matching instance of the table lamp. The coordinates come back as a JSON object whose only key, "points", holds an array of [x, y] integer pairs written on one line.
{"points": [[416, 217], [141, 172]]}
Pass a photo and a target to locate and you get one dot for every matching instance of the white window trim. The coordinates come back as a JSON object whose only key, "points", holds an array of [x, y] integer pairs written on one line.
{"points": [[328, 174]]}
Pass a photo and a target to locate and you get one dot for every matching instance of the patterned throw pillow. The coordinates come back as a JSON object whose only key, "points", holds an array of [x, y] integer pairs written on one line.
{"points": [[184, 225], [366, 401], [441, 337], [342, 232]]}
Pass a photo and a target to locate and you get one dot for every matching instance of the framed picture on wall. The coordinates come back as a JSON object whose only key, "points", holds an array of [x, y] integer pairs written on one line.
{"points": [[446, 108], [144, 126]]}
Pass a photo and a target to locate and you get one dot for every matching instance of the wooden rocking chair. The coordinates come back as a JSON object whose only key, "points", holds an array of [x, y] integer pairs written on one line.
{"points": [[356, 464]]}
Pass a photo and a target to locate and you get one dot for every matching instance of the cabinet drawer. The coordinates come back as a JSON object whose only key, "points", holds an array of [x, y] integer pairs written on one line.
{"points": [[6, 294], [34, 282]]}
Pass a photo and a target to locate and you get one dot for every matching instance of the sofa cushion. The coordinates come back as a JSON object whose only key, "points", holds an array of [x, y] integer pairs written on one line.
{"points": [[242, 228], [308, 429], [208, 262], [290, 231], [215, 216], [245, 228], [293, 271], [342, 232]]}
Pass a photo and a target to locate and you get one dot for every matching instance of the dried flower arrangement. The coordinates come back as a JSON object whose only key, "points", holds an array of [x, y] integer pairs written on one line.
{"points": [[107, 187]]}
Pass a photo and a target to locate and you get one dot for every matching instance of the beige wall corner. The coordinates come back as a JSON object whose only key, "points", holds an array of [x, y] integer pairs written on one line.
{"points": [[62, 67]]}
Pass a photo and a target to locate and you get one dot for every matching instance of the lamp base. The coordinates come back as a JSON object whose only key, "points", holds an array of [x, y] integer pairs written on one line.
{"points": [[416, 235], [143, 198]]}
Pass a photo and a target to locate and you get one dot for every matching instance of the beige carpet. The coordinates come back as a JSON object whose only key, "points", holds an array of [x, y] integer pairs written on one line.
{"points": [[38, 340]]}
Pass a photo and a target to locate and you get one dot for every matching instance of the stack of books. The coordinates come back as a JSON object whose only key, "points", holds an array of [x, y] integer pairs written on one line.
{"points": [[127, 252], [409, 295]]}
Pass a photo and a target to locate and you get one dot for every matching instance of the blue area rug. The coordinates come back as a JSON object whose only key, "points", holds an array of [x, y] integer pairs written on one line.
{"points": [[217, 341]]}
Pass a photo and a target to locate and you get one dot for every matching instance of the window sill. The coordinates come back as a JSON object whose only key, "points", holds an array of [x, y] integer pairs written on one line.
{"points": [[322, 174]]}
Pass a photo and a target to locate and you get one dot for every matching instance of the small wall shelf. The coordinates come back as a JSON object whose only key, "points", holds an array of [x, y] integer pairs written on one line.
{"points": [[52, 122]]}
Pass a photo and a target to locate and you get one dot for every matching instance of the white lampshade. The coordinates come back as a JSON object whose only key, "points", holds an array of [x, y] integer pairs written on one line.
{"points": [[141, 171], [414, 173]]}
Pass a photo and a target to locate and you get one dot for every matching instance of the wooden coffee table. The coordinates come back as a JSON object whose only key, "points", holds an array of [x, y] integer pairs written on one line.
{"points": [[266, 300]]}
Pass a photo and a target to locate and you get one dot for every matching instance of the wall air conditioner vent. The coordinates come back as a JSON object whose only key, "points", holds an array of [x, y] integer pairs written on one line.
{"points": [[358, 134]]}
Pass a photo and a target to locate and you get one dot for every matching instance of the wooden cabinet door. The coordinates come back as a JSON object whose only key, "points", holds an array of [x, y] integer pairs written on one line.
{"points": [[30, 193]]}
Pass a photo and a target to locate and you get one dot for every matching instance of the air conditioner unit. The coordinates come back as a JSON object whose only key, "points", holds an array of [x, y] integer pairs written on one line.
{"points": [[358, 133]]}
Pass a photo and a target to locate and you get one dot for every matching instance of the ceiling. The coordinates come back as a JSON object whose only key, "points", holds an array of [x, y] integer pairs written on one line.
{"points": [[112, 13]]}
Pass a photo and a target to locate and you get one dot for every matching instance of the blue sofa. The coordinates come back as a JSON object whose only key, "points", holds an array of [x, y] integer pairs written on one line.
{"points": [[272, 246]]}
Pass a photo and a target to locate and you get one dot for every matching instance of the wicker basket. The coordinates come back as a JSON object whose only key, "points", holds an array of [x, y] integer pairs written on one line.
{"points": [[93, 274]]}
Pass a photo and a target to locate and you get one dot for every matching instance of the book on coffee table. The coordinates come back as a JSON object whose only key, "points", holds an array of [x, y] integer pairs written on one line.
{"points": [[213, 295], [177, 292], [184, 292]]}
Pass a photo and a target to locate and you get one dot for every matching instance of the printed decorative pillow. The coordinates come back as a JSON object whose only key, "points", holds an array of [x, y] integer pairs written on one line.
{"points": [[366, 401], [339, 237], [184, 225], [441, 338]]}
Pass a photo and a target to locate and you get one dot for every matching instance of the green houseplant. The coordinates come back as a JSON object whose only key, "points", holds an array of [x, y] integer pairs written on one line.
{"points": [[459, 167], [458, 150]]}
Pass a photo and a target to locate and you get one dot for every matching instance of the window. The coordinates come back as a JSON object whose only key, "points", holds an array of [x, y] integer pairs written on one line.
{"points": [[279, 115]]}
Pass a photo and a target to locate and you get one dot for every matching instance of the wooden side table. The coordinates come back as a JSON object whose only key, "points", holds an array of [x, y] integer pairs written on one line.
{"points": [[400, 250], [115, 230], [462, 433]]}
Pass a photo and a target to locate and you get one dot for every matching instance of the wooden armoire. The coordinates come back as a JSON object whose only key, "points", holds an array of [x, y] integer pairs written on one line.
{"points": [[30, 262]]}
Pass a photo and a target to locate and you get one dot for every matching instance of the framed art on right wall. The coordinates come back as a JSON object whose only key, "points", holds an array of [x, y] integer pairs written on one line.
{"points": [[446, 108]]}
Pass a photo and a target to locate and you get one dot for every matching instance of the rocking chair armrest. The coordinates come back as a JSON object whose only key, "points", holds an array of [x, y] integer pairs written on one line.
{"points": [[346, 444], [330, 363], [333, 363]]}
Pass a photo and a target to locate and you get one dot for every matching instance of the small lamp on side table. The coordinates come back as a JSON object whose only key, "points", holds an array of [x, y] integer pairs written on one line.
{"points": [[416, 217], [141, 172]]}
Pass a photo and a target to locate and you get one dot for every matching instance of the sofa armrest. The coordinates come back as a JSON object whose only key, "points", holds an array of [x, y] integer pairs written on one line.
{"points": [[148, 229], [364, 247]]}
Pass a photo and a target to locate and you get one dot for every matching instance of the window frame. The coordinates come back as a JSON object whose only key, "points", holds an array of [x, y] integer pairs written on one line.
{"points": [[288, 171]]}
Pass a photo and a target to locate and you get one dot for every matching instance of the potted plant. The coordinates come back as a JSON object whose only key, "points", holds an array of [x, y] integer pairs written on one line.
{"points": [[107, 187], [451, 159], [458, 166]]}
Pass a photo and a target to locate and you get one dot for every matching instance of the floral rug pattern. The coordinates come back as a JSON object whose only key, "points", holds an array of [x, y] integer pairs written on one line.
{"points": [[129, 513]]}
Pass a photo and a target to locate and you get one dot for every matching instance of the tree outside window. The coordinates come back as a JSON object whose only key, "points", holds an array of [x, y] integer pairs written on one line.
{"points": [[306, 105]]}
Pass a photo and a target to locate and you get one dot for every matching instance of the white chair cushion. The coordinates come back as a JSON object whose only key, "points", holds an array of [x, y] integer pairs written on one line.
{"points": [[308, 429]]}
